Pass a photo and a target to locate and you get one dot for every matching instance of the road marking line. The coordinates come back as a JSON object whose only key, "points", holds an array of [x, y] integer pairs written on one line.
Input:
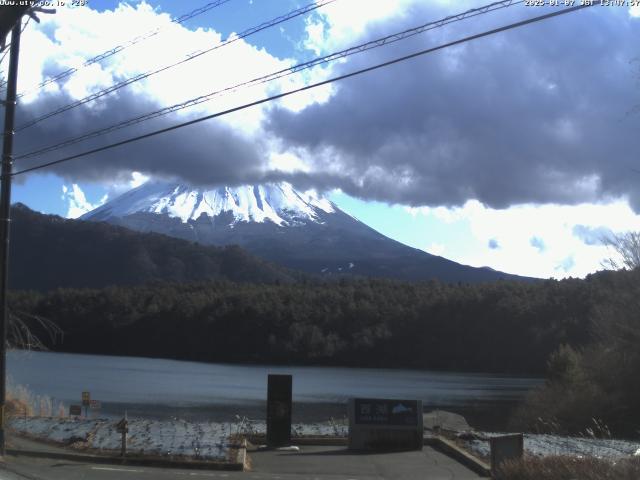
{"points": [[116, 469]]}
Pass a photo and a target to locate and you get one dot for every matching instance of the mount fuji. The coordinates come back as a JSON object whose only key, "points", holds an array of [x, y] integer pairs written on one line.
{"points": [[303, 231]]}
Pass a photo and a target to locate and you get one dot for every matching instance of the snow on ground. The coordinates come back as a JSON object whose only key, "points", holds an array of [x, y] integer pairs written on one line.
{"points": [[172, 437], [205, 440], [337, 428], [210, 440], [544, 445]]}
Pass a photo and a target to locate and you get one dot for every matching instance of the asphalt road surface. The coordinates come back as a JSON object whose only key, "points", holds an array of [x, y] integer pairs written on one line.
{"points": [[311, 463]]}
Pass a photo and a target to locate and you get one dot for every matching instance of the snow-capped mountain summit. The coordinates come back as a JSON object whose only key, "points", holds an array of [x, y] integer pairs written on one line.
{"points": [[303, 231], [279, 203]]}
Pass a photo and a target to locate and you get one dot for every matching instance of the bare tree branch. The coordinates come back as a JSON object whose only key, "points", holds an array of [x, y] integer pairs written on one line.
{"points": [[21, 329], [626, 249]]}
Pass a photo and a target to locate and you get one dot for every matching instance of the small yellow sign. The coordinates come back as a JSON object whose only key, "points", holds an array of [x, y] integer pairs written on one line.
{"points": [[86, 399]]}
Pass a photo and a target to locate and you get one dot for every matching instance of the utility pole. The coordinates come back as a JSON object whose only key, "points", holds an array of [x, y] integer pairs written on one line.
{"points": [[5, 215], [9, 16]]}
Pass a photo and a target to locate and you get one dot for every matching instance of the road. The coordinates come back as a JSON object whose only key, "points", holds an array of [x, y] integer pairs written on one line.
{"points": [[311, 463]]}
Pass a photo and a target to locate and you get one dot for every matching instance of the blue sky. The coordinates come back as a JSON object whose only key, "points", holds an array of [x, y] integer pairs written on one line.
{"points": [[490, 154]]}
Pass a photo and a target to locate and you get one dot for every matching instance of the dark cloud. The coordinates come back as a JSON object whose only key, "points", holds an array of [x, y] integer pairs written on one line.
{"points": [[206, 153], [538, 243], [494, 244], [538, 114]]}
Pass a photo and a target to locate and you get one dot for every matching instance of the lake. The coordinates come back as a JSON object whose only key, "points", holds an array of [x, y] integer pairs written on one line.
{"points": [[159, 388]]}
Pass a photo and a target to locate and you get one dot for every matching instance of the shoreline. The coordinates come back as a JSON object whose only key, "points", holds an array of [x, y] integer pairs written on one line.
{"points": [[485, 416]]}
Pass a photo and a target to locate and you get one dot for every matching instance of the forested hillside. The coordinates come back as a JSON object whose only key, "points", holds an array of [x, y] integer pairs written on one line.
{"points": [[49, 252], [498, 327]]}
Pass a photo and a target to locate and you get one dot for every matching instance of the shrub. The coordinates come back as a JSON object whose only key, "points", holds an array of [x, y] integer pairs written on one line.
{"points": [[569, 468], [568, 402], [22, 402]]}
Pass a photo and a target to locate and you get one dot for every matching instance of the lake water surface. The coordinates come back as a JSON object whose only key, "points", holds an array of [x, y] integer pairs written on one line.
{"points": [[161, 388]]}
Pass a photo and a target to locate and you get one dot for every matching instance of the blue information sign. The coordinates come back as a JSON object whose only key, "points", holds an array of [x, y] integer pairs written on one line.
{"points": [[371, 411]]}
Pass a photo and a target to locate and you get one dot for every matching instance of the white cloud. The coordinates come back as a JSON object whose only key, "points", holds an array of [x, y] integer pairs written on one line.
{"points": [[137, 179], [82, 33], [332, 28], [435, 249], [127, 183], [287, 162], [78, 204], [338, 24], [316, 35], [537, 241], [415, 211]]}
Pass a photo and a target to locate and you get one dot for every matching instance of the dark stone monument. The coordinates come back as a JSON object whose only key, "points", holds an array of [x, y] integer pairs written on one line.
{"points": [[279, 389]]}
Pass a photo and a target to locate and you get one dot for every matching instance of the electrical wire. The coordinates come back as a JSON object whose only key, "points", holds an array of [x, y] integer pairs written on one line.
{"points": [[308, 87], [277, 75], [294, 13], [117, 49]]}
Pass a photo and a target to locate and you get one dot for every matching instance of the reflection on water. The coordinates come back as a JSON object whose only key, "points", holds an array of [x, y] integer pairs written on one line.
{"points": [[161, 388]]}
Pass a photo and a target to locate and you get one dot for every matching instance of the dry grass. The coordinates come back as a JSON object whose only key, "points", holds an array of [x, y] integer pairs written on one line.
{"points": [[24, 403], [20, 401], [569, 468]]}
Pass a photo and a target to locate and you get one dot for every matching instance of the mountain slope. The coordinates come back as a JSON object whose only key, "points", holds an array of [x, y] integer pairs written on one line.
{"points": [[49, 252], [278, 223]]}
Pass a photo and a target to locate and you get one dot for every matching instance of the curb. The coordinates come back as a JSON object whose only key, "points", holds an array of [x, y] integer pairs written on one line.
{"points": [[452, 450], [239, 463], [320, 441], [240, 456]]}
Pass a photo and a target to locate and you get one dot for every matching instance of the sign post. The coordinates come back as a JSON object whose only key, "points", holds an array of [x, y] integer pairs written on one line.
{"points": [[123, 428], [384, 424], [86, 401], [279, 400], [75, 410]]}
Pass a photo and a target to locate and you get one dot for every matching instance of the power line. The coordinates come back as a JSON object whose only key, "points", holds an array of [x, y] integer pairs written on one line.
{"points": [[117, 49], [279, 74], [308, 87], [294, 13]]}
